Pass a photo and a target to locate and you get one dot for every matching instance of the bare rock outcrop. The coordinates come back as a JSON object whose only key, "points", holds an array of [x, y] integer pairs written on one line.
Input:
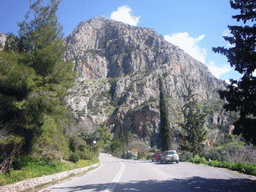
{"points": [[119, 66]]}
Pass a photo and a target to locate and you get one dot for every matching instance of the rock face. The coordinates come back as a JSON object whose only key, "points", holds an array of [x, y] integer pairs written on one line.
{"points": [[118, 69], [119, 66], [2, 40]]}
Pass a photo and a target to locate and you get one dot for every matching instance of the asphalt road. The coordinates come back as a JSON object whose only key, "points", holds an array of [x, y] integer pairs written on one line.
{"points": [[120, 175]]}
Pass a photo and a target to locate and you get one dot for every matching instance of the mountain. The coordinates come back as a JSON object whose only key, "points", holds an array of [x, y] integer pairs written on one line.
{"points": [[2, 40], [118, 68]]}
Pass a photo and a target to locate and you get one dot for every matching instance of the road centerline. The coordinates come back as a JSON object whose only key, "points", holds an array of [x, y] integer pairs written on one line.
{"points": [[116, 179]]}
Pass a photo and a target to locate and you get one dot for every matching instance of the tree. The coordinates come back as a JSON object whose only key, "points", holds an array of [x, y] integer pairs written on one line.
{"points": [[241, 94], [34, 77], [165, 130], [192, 132]]}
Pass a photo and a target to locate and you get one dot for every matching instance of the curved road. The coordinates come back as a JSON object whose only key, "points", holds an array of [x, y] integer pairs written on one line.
{"points": [[120, 175]]}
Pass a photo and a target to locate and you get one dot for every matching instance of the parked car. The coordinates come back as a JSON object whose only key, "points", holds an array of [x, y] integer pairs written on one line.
{"points": [[156, 156], [169, 156]]}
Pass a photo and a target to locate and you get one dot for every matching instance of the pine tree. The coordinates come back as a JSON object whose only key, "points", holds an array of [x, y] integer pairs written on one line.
{"points": [[192, 132], [34, 79], [165, 130], [241, 94]]}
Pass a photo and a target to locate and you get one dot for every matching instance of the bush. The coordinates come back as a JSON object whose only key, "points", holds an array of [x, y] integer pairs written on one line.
{"points": [[20, 162], [248, 168], [199, 160], [214, 163], [185, 156], [85, 155], [215, 155], [74, 157], [142, 155]]}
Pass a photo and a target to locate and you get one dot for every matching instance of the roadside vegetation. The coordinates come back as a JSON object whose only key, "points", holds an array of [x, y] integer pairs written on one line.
{"points": [[34, 120], [32, 169], [247, 168]]}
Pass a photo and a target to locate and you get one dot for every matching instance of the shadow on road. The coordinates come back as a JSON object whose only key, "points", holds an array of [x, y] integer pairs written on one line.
{"points": [[189, 184]]}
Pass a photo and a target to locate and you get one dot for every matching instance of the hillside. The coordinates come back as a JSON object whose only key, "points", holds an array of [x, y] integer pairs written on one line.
{"points": [[119, 66]]}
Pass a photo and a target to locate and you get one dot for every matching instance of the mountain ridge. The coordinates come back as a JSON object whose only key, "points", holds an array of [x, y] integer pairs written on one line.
{"points": [[119, 66]]}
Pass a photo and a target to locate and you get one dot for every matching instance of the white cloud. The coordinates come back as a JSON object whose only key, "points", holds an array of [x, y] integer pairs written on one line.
{"points": [[123, 14], [188, 44], [218, 71]]}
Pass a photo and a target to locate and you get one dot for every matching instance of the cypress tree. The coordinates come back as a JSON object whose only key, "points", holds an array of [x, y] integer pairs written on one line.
{"points": [[165, 130]]}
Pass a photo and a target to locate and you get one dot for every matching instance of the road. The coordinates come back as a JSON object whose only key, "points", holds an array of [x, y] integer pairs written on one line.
{"points": [[120, 175]]}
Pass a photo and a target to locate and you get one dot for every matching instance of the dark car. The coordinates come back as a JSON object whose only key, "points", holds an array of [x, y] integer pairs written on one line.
{"points": [[156, 156]]}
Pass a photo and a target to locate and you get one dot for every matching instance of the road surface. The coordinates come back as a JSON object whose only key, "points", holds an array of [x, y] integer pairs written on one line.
{"points": [[120, 175]]}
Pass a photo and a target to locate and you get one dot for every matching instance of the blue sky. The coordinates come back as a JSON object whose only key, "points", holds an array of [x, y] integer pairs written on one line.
{"points": [[194, 25]]}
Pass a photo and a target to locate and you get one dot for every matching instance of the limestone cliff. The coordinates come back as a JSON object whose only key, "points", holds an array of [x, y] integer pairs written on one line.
{"points": [[2, 40], [119, 66]]}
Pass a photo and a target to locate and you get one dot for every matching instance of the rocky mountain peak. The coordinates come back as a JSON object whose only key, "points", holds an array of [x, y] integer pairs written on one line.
{"points": [[119, 66], [2, 40]]}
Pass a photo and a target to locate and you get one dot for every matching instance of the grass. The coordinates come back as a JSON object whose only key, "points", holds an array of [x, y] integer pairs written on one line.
{"points": [[39, 169]]}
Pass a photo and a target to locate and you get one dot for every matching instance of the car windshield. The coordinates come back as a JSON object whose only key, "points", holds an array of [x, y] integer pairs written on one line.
{"points": [[171, 152]]}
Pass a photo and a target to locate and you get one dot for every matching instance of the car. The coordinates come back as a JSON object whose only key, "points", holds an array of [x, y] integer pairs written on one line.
{"points": [[169, 156], [156, 156]]}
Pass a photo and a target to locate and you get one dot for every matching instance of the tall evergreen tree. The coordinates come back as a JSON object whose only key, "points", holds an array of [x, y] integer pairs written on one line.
{"points": [[192, 132], [33, 78], [241, 94], [165, 130]]}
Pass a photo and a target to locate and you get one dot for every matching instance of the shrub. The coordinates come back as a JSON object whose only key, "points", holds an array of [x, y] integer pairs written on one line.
{"points": [[248, 168], [85, 155], [74, 157], [20, 162], [141, 155], [199, 160], [215, 155], [214, 163], [185, 156]]}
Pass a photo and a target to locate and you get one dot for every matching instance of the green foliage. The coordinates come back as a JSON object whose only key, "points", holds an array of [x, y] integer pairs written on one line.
{"points": [[247, 168], [20, 162], [74, 157], [240, 95], [104, 133], [193, 132], [86, 155], [76, 143], [165, 130], [33, 169], [115, 146], [34, 79], [51, 143], [199, 160], [142, 155], [185, 156]]}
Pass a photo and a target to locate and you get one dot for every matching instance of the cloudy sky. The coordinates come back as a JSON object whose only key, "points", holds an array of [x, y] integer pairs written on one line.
{"points": [[194, 25]]}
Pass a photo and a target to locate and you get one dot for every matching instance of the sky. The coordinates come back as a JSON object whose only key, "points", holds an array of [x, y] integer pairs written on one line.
{"points": [[194, 25]]}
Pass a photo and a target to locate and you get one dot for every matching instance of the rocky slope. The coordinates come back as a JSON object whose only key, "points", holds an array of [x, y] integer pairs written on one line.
{"points": [[119, 66], [2, 40]]}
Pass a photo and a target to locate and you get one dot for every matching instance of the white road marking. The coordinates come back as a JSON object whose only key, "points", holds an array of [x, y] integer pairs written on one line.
{"points": [[115, 181]]}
